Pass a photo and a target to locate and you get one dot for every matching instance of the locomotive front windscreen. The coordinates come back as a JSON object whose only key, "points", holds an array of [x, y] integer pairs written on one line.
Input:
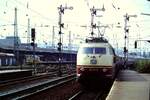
{"points": [[100, 50], [93, 50]]}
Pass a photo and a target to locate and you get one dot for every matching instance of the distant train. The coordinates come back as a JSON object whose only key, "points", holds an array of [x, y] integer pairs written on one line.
{"points": [[97, 58], [30, 59], [7, 59]]}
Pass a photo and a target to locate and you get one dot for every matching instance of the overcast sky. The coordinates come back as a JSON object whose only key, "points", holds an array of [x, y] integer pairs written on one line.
{"points": [[45, 13]]}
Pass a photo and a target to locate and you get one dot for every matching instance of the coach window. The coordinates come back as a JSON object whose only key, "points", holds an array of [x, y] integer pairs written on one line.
{"points": [[100, 50]]}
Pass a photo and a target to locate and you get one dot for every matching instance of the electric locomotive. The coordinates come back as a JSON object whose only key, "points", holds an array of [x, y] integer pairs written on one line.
{"points": [[96, 59]]}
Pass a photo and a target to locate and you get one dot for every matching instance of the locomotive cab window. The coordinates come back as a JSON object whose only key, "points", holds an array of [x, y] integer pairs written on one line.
{"points": [[93, 50], [101, 50], [87, 50]]}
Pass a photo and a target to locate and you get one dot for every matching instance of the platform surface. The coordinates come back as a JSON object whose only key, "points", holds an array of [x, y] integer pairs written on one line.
{"points": [[130, 85]]}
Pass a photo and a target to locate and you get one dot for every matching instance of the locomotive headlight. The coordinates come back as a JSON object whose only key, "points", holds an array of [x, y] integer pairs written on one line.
{"points": [[104, 69]]}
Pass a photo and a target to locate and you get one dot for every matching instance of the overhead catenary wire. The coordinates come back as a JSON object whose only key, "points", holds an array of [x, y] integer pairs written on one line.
{"points": [[25, 6], [8, 6]]}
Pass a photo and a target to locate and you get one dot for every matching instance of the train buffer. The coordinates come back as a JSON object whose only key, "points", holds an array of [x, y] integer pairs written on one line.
{"points": [[130, 85]]}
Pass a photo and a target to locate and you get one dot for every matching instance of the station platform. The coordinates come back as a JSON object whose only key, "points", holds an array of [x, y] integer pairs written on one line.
{"points": [[13, 74], [130, 85]]}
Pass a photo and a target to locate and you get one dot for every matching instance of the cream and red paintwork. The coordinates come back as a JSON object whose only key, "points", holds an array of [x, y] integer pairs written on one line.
{"points": [[104, 63]]}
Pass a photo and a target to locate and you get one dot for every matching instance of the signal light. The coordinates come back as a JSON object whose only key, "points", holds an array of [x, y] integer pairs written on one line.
{"points": [[94, 12], [94, 25], [92, 33], [127, 30], [33, 34], [62, 25], [135, 44], [32, 39], [127, 18], [59, 44]]}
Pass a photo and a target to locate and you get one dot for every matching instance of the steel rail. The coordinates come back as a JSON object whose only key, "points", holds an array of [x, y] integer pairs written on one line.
{"points": [[28, 91], [25, 79], [74, 97], [81, 94]]}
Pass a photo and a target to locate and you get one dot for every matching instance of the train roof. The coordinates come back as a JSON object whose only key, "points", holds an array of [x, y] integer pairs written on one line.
{"points": [[96, 40]]}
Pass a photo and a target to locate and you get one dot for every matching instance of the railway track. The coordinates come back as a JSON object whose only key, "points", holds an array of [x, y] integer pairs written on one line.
{"points": [[26, 92], [93, 92], [25, 79], [88, 95], [51, 74]]}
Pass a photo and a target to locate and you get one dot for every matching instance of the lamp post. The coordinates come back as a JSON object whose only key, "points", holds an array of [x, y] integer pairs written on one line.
{"points": [[53, 37], [16, 44]]}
